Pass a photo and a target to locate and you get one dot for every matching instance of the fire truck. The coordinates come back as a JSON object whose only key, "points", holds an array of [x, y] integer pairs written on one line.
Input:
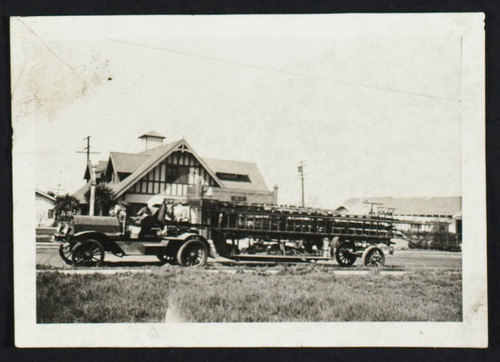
{"points": [[240, 232]]}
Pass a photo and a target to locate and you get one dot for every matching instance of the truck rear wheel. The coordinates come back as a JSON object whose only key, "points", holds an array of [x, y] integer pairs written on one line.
{"points": [[345, 254], [192, 253]]}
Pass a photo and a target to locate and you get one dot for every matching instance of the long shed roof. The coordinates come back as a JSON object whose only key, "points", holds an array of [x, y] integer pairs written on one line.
{"points": [[448, 206]]}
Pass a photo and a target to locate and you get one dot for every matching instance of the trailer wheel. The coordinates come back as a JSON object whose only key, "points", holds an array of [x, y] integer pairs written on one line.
{"points": [[373, 257], [65, 251], [344, 254], [88, 253], [193, 253]]}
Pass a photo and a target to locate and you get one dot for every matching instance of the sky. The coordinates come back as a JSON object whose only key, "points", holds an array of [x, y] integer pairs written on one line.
{"points": [[371, 103]]}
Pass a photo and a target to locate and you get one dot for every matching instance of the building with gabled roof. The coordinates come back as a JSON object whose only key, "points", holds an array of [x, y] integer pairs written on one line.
{"points": [[99, 170], [174, 170], [420, 212], [44, 204]]}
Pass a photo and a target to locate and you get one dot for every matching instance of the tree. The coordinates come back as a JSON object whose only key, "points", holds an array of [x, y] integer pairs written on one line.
{"points": [[65, 206], [104, 198]]}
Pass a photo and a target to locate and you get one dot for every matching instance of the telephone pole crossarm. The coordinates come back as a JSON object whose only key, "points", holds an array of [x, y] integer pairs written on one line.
{"points": [[87, 149]]}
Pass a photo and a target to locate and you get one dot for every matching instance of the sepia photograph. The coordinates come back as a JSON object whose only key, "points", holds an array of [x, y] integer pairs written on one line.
{"points": [[249, 180]]}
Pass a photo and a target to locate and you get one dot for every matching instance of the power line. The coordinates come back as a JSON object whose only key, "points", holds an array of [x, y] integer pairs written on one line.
{"points": [[214, 59]]}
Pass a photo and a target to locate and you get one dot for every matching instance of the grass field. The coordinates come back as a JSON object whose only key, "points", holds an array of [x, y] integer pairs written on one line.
{"points": [[297, 293]]}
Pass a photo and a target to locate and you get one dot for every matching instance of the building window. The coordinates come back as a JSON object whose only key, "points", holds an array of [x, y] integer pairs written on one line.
{"points": [[51, 214], [177, 174], [233, 177]]}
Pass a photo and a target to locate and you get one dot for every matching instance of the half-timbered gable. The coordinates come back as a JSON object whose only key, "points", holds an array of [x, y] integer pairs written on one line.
{"points": [[174, 170], [168, 170], [173, 175]]}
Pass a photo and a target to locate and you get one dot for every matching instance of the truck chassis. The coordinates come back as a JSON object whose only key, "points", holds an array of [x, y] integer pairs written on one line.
{"points": [[295, 235], [240, 232]]}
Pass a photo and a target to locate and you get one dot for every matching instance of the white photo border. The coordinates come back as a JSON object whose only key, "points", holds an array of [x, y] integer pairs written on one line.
{"points": [[471, 332]]}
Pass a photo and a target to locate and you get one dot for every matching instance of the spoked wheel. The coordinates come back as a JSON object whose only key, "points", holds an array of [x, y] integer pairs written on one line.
{"points": [[65, 251], [193, 253], [373, 257], [345, 254], [88, 253]]}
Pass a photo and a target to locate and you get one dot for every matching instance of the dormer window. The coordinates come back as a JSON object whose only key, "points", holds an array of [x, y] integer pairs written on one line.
{"points": [[232, 177]]}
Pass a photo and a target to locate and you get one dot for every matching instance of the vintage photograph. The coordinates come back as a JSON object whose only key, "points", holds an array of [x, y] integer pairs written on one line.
{"points": [[314, 175]]}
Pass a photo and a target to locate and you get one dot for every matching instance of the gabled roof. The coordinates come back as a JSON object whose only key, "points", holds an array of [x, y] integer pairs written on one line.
{"points": [[156, 155], [127, 162], [152, 134], [139, 164], [449, 206], [44, 194], [250, 169], [80, 193], [100, 168]]}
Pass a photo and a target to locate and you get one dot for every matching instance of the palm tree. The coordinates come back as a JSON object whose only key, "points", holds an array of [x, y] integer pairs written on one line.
{"points": [[104, 198], [65, 206]]}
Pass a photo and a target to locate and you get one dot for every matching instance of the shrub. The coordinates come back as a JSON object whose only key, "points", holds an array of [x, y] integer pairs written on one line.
{"points": [[439, 238]]}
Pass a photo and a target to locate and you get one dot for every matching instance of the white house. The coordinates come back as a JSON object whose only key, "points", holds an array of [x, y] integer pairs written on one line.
{"points": [[44, 208], [175, 171]]}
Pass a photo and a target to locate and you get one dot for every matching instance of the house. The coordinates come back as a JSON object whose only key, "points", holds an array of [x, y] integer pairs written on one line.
{"points": [[44, 204], [421, 213], [175, 171]]}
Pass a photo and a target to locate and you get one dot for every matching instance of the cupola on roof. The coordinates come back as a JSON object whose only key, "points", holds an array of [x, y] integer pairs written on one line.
{"points": [[152, 134]]}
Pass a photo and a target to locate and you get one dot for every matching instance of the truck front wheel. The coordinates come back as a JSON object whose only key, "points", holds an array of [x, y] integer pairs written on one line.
{"points": [[193, 252], [88, 253]]}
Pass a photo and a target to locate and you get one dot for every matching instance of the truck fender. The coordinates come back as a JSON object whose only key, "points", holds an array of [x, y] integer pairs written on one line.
{"points": [[178, 240], [107, 243], [189, 236], [185, 236], [82, 235]]}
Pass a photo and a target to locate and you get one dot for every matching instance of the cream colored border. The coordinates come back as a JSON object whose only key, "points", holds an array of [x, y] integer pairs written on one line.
{"points": [[472, 332]]}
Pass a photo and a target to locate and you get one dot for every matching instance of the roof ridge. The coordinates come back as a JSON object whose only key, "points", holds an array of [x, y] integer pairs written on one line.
{"points": [[45, 194], [154, 149], [128, 153], [226, 160]]}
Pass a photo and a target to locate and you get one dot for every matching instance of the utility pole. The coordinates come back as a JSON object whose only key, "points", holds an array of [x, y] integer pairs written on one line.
{"points": [[301, 173], [92, 189], [92, 175], [87, 149]]}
